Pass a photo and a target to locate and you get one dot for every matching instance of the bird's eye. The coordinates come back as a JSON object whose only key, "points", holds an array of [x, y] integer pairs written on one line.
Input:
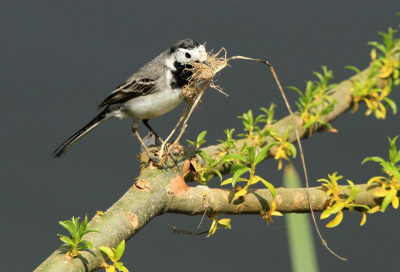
{"points": [[188, 55]]}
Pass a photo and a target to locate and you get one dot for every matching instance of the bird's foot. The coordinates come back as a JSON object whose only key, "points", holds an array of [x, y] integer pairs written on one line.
{"points": [[171, 150], [155, 160]]}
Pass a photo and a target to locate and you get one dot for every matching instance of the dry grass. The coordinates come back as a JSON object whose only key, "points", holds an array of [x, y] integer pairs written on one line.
{"points": [[204, 74]]}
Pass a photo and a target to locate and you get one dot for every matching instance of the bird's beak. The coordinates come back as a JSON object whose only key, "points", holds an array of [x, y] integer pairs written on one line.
{"points": [[208, 64]]}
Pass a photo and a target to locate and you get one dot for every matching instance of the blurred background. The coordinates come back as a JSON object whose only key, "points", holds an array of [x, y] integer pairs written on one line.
{"points": [[60, 59]]}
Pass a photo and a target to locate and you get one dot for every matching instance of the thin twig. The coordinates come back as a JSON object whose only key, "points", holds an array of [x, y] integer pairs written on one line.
{"points": [[202, 218], [303, 162], [182, 231]]}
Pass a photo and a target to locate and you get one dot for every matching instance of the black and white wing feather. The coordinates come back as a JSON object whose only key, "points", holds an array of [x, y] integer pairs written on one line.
{"points": [[129, 90], [142, 83]]}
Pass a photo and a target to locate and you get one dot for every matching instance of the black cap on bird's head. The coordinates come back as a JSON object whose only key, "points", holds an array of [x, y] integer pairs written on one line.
{"points": [[184, 44]]}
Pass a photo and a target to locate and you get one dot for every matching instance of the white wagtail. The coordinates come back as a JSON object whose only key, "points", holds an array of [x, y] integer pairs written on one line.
{"points": [[153, 90]]}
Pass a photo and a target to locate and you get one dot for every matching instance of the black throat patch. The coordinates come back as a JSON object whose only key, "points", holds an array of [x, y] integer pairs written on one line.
{"points": [[180, 77]]}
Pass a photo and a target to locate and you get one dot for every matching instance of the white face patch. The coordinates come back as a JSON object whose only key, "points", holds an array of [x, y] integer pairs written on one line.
{"points": [[169, 62], [185, 56]]}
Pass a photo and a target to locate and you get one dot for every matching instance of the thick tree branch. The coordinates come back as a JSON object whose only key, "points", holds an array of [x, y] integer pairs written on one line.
{"points": [[221, 201], [141, 203]]}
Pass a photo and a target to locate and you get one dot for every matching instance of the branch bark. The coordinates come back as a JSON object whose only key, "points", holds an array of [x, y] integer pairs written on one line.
{"points": [[146, 199], [157, 191], [199, 199]]}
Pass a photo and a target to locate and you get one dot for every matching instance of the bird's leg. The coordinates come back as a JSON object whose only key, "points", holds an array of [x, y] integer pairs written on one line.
{"points": [[146, 123], [135, 126]]}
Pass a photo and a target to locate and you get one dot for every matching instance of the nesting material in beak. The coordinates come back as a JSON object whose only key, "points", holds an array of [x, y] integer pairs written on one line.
{"points": [[203, 73], [207, 63]]}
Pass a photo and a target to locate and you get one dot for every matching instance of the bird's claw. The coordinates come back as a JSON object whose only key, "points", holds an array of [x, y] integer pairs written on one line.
{"points": [[155, 160]]}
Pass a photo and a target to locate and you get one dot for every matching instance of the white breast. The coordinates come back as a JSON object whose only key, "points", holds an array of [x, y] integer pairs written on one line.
{"points": [[152, 105]]}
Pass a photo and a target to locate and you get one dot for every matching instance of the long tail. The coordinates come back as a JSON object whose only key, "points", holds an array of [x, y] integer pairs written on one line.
{"points": [[81, 133]]}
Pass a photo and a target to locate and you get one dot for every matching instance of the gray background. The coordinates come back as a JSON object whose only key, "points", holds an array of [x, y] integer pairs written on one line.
{"points": [[59, 59]]}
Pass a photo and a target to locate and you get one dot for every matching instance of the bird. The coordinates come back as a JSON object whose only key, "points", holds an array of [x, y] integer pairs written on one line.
{"points": [[153, 90]]}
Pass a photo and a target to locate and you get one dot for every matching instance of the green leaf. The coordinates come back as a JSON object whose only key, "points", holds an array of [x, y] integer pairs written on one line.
{"points": [[206, 157], [119, 250], [258, 118], [67, 240], [353, 192], [359, 206], [338, 206], [90, 230], [270, 187], [397, 157], [292, 149], [201, 136], [379, 46], [69, 226], [261, 155], [319, 76], [237, 167], [81, 230], [324, 180], [238, 173], [232, 157], [374, 179], [124, 269], [218, 173], [111, 269], [336, 221], [393, 149], [375, 159], [225, 222], [76, 222], [388, 199], [241, 192], [81, 247], [391, 169], [309, 123], [391, 104], [107, 250], [325, 214], [119, 265], [84, 223], [227, 181], [213, 228], [251, 153], [86, 243], [297, 90], [353, 68]]}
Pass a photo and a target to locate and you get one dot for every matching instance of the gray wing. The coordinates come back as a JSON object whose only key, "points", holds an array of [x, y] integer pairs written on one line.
{"points": [[139, 84]]}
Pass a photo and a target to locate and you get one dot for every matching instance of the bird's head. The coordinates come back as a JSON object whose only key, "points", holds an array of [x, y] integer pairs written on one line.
{"points": [[187, 51]]}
